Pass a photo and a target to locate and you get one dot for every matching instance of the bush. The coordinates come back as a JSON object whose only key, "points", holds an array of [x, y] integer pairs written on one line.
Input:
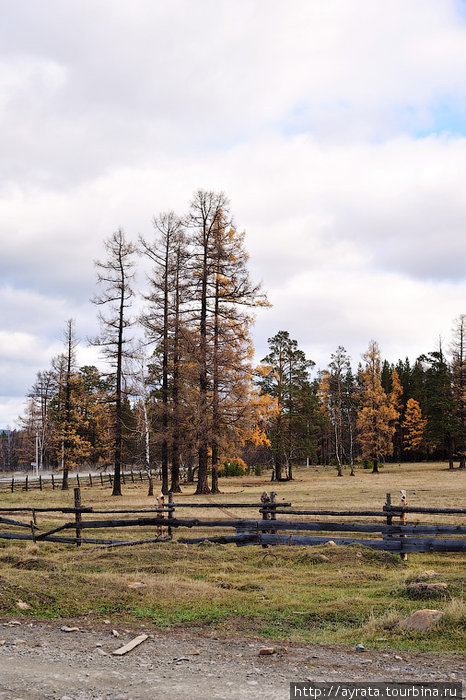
{"points": [[232, 468]]}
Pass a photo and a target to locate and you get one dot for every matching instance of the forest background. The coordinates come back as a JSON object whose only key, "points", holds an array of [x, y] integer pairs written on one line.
{"points": [[179, 390]]}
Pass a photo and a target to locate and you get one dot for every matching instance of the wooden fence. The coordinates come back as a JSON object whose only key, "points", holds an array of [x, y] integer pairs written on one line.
{"points": [[399, 537], [54, 481]]}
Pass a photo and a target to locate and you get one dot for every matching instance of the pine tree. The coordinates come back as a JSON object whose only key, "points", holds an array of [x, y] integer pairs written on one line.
{"points": [[458, 349], [438, 406], [396, 399], [285, 377]]}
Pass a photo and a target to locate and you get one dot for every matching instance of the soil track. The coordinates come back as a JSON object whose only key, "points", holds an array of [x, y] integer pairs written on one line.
{"points": [[39, 660]]}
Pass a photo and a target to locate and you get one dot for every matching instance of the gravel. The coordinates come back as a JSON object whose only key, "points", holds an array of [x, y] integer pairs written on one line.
{"points": [[39, 660]]}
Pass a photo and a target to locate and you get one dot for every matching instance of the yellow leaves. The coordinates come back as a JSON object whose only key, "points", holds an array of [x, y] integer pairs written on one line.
{"points": [[414, 425]]}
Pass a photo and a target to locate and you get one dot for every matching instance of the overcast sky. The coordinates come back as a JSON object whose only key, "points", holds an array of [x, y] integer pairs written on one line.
{"points": [[336, 128]]}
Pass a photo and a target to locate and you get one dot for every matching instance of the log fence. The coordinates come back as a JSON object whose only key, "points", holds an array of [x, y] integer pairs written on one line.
{"points": [[389, 534], [54, 481]]}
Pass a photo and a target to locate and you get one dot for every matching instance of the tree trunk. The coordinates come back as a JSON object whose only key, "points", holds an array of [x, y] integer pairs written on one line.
{"points": [[375, 466], [202, 484]]}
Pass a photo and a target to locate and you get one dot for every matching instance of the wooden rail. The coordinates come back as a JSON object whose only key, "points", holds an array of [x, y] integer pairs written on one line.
{"points": [[54, 481], [401, 536]]}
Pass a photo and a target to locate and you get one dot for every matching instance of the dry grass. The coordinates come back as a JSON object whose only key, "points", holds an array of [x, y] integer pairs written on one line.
{"points": [[324, 594]]}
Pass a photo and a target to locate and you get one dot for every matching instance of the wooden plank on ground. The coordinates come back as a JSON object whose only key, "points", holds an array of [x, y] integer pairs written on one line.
{"points": [[131, 645]]}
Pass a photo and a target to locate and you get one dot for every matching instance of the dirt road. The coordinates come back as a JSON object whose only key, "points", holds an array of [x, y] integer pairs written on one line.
{"points": [[39, 660]]}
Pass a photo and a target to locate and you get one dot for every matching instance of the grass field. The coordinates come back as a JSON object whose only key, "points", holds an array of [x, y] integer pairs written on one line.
{"points": [[313, 594]]}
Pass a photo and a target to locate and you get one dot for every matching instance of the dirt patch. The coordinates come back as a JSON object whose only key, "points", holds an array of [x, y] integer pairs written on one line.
{"points": [[38, 660]]}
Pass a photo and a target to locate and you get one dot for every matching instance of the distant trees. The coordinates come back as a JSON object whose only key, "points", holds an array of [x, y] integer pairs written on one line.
{"points": [[192, 398]]}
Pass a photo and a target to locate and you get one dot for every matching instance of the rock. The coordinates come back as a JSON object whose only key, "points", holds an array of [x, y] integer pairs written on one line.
{"points": [[331, 543], [136, 584], [421, 620], [266, 651], [69, 629], [115, 633], [381, 639], [22, 605], [360, 647], [194, 652], [2, 642], [398, 658], [426, 590]]}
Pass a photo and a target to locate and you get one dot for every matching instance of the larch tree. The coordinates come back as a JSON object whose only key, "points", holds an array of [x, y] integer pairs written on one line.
{"points": [[413, 426], [221, 289], [161, 319], [115, 276], [376, 416], [68, 425]]}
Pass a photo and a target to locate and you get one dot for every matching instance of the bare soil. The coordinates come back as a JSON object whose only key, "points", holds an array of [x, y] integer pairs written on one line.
{"points": [[39, 660]]}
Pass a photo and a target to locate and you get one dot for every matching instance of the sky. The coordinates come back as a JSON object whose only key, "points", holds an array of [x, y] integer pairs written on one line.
{"points": [[337, 129]]}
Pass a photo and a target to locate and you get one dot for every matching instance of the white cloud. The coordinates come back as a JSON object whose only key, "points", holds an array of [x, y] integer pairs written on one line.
{"points": [[307, 114]]}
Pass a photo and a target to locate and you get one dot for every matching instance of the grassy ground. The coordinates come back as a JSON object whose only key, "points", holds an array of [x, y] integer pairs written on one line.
{"points": [[317, 594]]}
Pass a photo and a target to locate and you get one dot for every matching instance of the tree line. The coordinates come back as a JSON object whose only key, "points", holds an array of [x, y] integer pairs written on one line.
{"points": [[186, 396]]}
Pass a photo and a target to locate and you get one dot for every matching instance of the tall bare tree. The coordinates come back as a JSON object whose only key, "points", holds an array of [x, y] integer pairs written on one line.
{"points": [[222, 287], [162, 320], [114, 277]]}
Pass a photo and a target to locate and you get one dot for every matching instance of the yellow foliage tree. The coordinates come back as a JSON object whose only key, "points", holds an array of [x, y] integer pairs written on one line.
{"points": [[376, 415], [414, 425]]}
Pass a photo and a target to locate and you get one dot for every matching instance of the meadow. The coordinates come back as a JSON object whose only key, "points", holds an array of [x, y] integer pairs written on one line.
{"points": [[323, 594]]}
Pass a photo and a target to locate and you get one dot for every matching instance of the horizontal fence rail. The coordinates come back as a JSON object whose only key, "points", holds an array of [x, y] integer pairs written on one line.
{"points": [[397, 537], [54, 481]]}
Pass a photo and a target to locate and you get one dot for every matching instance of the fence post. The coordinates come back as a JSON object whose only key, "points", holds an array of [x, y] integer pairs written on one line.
{"points": [[123, 476], [53, 483], [140, 475], [40, 481], [110, 479], [31, 524], [77, 481], [170, 512], [34, 519], [160, 503], [265, 500], [26, 484], [388, 502], [77, 514], [132, 476], [12, 484], [403, 555], [273, 515]]}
